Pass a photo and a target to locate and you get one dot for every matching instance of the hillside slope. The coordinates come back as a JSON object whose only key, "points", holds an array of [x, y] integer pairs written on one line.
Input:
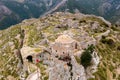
{"points": [[61, 46]]}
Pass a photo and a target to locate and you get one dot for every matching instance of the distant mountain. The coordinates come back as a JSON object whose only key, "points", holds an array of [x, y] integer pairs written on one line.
{"points": [[23, 10], [109, 9], [14, 11]]}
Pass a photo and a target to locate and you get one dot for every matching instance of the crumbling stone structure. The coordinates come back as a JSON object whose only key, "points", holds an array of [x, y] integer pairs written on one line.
{"points": [[64, 46]]}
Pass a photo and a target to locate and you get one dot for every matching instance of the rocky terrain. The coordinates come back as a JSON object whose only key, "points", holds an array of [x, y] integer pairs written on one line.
{"points": [[61, 46]]}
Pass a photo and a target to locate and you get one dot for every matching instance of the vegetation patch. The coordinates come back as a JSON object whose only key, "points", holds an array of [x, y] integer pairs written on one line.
{"points": [[86, 56]]}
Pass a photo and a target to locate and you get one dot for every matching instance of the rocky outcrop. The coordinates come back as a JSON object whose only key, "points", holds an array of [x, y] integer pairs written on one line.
{"points": [[34, 76], [99, 37], [93, 68], [4, 10], [78, 71]]}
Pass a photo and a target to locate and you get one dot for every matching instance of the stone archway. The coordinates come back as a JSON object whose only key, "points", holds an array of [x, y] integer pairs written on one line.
{"points": [[29, 58]]}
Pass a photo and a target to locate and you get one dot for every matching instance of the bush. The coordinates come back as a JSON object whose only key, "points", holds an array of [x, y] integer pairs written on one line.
{"points": [[118, 48], [110, 42], [86, 56], [103, 40]]}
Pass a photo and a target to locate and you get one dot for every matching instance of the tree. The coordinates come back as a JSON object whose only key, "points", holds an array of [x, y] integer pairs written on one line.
{"points": [[86, 56]]}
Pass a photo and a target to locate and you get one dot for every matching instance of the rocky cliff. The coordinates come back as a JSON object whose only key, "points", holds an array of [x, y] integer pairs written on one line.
{"points": [[61, 46]]}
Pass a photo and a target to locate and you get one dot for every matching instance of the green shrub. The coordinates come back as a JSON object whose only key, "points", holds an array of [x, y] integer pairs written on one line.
{"points": [[86, 56]]}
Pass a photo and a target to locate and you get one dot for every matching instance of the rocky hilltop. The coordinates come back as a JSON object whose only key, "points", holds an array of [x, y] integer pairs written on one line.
{"points": [[61, 46]]}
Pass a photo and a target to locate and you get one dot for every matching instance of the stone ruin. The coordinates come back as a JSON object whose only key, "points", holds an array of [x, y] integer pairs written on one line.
{"points": [[64, 46], [60, 59]]}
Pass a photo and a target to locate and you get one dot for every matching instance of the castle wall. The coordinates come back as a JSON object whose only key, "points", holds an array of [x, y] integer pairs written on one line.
{"points": [[59, 49]]}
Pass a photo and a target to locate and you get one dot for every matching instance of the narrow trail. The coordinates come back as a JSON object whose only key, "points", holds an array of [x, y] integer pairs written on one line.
{"points": [[55, 8]]}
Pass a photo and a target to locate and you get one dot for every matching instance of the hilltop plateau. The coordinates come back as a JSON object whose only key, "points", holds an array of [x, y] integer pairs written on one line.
{"points": [[61, 46]]}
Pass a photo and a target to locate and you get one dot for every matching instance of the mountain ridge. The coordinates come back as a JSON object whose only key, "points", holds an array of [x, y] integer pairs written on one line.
{"points": [[109, 9]]}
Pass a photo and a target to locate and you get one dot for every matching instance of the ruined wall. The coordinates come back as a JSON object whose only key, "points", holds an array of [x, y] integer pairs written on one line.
{"points": [[60, 49]]}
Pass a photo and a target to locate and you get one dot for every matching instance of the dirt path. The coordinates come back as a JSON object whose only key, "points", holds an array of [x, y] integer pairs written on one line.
{"points": [[34, 76]]}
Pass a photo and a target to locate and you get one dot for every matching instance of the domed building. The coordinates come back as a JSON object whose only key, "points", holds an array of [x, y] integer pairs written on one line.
{"points": [[64, 46]]}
